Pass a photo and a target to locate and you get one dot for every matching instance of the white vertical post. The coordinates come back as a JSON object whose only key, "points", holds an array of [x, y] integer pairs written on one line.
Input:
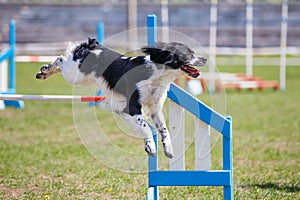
{"points": [[3, 81], [212, 44], [3, 76], [132, 23], [202, 145], [2, 105], [165, 20], [283, 44], [249, 38], [176, 128]]}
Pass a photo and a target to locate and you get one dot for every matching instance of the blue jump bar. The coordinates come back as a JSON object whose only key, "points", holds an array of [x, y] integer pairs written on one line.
{"points": [[190, 178], [200, 110]]}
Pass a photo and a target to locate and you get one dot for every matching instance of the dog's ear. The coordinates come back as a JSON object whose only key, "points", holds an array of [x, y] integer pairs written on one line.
{"points": [[152, 51], [92, 43], [70, 48], [163, 56]]}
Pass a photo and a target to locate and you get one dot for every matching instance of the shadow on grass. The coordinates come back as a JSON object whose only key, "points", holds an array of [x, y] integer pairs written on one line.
{"points": [[273, 186]]}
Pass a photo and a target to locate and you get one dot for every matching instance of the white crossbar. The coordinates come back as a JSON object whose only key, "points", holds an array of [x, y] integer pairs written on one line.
{"points": [[51, 98], [3, 76], [3, 80], [176, 127]]}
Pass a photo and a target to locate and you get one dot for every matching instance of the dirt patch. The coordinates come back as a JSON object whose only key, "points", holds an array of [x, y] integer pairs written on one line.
{"points": [[9, 193]]}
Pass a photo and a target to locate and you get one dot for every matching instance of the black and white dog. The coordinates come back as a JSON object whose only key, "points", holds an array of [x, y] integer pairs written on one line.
{"points": [[135, 87]]}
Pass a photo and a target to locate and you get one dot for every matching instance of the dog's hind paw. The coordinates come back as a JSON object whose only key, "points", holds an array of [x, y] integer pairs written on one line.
{"points": [[150, 147], [168, 150]]}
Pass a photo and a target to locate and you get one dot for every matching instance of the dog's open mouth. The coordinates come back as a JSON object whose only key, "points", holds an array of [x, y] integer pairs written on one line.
{"points": [[192, 72]]}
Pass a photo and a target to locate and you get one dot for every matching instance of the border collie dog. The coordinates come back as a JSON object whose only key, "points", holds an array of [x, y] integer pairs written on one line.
{"points": [[135, 87]]}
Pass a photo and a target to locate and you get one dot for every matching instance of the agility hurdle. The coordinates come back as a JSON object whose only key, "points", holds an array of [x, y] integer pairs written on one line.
{"points": [[205, 118], [8, 85]]}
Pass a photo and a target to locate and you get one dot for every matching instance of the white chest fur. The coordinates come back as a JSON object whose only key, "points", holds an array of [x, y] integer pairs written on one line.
{"points": [[154, 90]]}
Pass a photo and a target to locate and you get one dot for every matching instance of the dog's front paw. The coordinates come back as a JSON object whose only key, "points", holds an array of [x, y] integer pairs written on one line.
{"points": [[168, 150], [150, 147], [46, 71], [43, 74]]}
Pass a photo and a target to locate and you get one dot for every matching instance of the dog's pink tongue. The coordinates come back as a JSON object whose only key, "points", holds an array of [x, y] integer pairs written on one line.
{"points": [[193, 72]]}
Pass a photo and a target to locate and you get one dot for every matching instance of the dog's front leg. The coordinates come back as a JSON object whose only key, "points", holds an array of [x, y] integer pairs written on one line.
{"points": [[159, 121]]}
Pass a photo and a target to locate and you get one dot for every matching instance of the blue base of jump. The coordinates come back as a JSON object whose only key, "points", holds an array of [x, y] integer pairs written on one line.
{"points": [[6, 103], [190, 178], [16, 104]]}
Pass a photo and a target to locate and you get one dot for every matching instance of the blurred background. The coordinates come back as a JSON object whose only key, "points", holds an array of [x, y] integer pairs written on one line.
{"points": [[42, 157], [44, 27]]}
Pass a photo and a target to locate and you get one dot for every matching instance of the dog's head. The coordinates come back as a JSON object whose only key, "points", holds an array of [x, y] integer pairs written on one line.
{"points": [[76, 55], [176, 56], [52, 68]]}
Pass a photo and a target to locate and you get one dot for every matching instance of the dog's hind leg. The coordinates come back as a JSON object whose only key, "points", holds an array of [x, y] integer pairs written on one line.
{"points": [[159, 122], [146, 132], [133, 115], [138, 123]]}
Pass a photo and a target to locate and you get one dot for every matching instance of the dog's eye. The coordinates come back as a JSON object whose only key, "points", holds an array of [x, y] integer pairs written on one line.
{"points": [[60, 59]]}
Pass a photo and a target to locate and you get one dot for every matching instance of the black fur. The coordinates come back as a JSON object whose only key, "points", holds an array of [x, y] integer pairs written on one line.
{"points": [[127, 71], [84, 49], [173, 54], [123, 73], [130, 83]]}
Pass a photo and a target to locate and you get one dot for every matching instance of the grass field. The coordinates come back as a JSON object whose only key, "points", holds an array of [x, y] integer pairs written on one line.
{"points": [[42, 157]]}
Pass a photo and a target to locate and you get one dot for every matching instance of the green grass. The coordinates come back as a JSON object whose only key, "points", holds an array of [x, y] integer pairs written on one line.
{"points": [[42, 156]]}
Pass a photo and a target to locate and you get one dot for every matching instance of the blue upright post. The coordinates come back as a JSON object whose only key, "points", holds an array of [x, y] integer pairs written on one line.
{"points": [[12, 67], [227, 159], [100, 37], [12, 64], [152, 30], [153, 193], [100, 32]]}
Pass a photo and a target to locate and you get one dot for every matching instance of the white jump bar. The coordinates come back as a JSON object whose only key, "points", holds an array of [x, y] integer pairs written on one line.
{"points": [[22, 97]]}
